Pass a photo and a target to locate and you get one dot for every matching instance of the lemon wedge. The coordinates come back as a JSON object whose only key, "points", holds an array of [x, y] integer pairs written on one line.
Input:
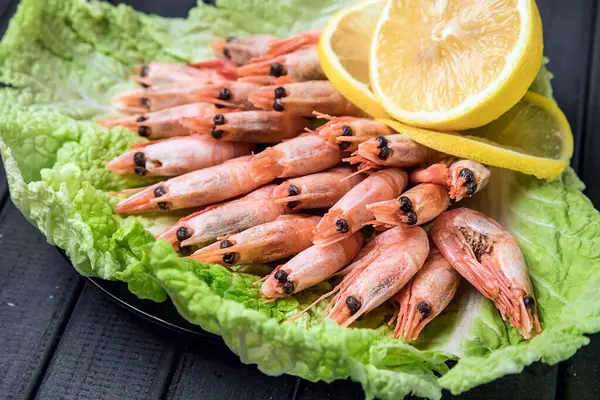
{"points": [[533, 137], [454, 64], [344, 49]]}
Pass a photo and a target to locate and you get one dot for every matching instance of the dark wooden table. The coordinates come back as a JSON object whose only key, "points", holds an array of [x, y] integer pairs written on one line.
{"points": [[61, 338]]}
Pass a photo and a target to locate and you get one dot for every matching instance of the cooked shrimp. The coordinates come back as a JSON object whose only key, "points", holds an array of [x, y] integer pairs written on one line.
{"points": [[390, 151], [234, 216], [205, 186], [164, 123], [249, 126], [310, 267], [289, 45], [287, 235], [303, 98], [463, 178], [243, 48], [416, 206], [349, 132], [486, 255], [318, 190], [377, 275], [233, 94], [176, 156], [301, 65], [156, 73], [350, 213], [425, 296], [303, 155]]}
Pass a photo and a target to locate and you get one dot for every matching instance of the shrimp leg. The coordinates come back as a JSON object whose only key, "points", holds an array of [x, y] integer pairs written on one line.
{"points": [[301, 65]]}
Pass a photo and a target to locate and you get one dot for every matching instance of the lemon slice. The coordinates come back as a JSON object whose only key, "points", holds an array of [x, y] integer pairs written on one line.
{"points": [[344, 53], [533, 137], [454, 64]]}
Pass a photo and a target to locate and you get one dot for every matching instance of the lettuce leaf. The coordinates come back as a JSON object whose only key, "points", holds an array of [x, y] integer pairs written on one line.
{"points": [[65, 59]]}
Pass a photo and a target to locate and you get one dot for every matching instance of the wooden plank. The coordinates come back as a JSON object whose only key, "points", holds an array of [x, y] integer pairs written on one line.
{"points": [[107, 352], [37, 287]]}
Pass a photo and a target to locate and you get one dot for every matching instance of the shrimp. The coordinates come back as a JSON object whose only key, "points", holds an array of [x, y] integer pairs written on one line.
{"points": [[176, 156], [234, 216], [287, 235], [416, 206], [350, 213], [425, 296], [390, 151], [233, 94], [156, 73], [310, 267], [486, 255], [463, 178], [289, 45], [378, 275], [319, 190], [204, 186], [242, 49], [303, 155], [301, 65], [165, 123], [303, 98], [249, 126], [349, 132]]}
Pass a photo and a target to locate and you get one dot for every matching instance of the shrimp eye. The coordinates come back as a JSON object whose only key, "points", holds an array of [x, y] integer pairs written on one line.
{"points": [[276, 70], [281, 276], [219, 119], [224, 94], [139, 171], [353, 304], [411, 218], [277, 106], [343, 145], [424, 308], [384, 153], [229, 258], [467, 175], [471, 187], [293, 190], [144, 131], [219, 106], [141, 118], [230, 39], [144, 101], [346, 130], [280, 92], [163, 205], [405, 204], [341, 225], [288, 287], [144, 71], [139, 159], [183, 233], [291, 204], [529, 302], [186, 250], [159, 191], [381, 141], [225, 244], [216, 133], [227, 53]]}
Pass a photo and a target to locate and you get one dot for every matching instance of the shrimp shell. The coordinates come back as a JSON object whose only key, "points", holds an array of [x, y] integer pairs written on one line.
{"points": [[287, 235], [233, 94], [301, 65], [486, 255], [242, 49], [319, 190], [289, 45], [350, 213], [425, 296], [156, 73], [310, 267], [349, 132]]}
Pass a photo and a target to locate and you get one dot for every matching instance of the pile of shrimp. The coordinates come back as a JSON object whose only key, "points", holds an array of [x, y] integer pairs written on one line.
{"points": [[236, 137]]}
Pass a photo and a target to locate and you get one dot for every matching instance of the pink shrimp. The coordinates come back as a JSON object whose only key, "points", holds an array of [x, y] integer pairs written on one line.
{"points": [[164, 123], [310, 267], [486, 255], [242, 49], [303, 98], [176, 156], [289, 45], [301, 65], [416, 206], [377, 275], [156, 73], [281, 238], [463, 178], [390, 151], [350, 213], [349, 132], [303, 155], [205, 186], [233, 94], [214, 221], [425, 296], [249, 126], [319, 190]]}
